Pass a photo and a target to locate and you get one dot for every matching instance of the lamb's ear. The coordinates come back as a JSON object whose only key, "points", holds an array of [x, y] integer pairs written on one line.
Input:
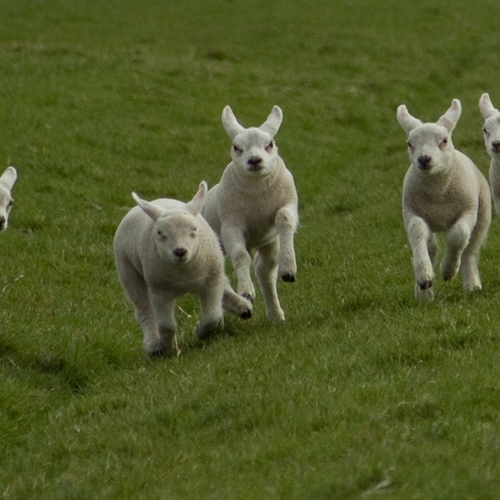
{"points": [[450, 118], [486, 106], [407, 121], [8, 178], [230, 123], [197, 203], [152, 210], [273, 122]]}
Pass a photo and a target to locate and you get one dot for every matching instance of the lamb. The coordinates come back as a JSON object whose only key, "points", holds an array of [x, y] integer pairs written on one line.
{"points": [[491, 131], [443, 191], [7, 181], [164, 249], [255, 206]]}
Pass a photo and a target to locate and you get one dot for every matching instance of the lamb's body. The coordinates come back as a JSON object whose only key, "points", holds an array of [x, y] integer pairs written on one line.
{"points": [[255, 206], [440, 200], [7, 181], [491, 131], [443, 191], [165, 249], [251, 206]]}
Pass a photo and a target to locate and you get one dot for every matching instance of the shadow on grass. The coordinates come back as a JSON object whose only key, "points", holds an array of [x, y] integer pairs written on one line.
{"points": [[45, 368]]}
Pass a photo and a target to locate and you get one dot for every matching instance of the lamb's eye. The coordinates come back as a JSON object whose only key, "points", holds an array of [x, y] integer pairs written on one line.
{"points": [[237, 149], [270, 146], [410, 145], [10, 204], [160, 234], [485, 131], [444, 142], [194, 230]]}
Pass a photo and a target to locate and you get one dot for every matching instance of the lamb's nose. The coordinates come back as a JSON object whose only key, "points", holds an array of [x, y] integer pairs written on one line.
{"points": [[424, 161], [495, 146], [254, 160], [180, 252]]}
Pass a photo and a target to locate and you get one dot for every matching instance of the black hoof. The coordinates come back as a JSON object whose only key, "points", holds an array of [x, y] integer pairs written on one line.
{"points": [[288, 277], [160, 353], [246, 315], [424, 285]]}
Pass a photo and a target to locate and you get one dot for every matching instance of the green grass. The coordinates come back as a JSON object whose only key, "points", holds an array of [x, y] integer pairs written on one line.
{"points": [[362, 392]]}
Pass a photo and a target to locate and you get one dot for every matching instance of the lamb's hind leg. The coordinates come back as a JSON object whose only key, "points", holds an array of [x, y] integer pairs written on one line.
{"points": [[457, 239], [470, 257], [164, 308], [266, 269], [211, 308]]}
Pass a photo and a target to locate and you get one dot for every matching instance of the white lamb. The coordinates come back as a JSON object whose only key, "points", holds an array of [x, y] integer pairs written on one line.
{"points": [[165, 249], [7, 181], [443, 191], [255, 206], [491, 131]]}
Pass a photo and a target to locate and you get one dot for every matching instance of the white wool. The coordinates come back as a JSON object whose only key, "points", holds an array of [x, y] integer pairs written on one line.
{"points": [[443, 191], [491, 131], [165, 249], [7, 181], [255, 206]]}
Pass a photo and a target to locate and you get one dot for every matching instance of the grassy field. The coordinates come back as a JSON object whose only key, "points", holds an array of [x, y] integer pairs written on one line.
{"points": [[362, 392]]}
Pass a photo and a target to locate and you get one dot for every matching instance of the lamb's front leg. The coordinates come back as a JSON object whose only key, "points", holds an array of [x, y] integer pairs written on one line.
{"points": [[211, 308], [164, 309], [138, 292], [235, 246], [457, 239], [286, 224], [422, 240], [234, 303]]}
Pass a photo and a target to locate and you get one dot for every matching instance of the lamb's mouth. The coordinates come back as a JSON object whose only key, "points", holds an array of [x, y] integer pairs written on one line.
{"points": [[255, 168]]}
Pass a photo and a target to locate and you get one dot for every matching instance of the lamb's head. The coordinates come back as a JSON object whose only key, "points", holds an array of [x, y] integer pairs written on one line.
{"points": [[491, 126], [7, 180], [176, 231], [254, 151], [429, 144]]}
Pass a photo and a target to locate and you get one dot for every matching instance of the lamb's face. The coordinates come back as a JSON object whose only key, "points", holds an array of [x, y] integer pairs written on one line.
{"points": [[176, 236], [491, 131], [5, 206], [430, 148], [254, 153]]}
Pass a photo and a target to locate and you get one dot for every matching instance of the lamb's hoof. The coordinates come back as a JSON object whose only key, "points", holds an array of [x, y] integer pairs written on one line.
{"points": [[288, 277], [424, 284], [161, 353], [246, 314], [204, 330], [449, 271], [248, 297], [424, 294], [277, 316], [157, 349]]}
